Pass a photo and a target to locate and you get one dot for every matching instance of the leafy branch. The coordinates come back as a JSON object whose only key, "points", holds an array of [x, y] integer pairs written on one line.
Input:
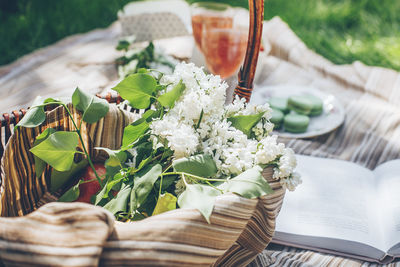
{"points": [[142, 178], [58, 148]]}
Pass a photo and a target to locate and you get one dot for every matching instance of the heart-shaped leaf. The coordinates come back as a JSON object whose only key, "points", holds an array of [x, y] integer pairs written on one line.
{"points": [[34, 116], [200, 197], [100, 195], [104, 193], [165, 202], [40, 164], [58, 179], [200, 165], [144, 182], [72, 194], [93, 108], [58, 150], [133, 132], [137, 88], [168, 99], [116, 157], [120, 202], [55, 101], [245, 123], [249, 184], [147, 117]]}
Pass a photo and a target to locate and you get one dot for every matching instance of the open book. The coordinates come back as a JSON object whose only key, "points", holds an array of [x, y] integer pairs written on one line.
{"points": [[344, 209]]}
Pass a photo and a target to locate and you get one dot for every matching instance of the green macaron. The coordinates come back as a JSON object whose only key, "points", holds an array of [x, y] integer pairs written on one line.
{"points": [[276, 118], [279, 103], [296, 123], [300, 104], [317, 105]]}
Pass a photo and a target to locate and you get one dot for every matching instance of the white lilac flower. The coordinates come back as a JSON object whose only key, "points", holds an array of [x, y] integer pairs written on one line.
{"points": [[190, 107], [286, 165], [269, 149], [183, 141], [232, 151], [235, 107], [202, 93], [291, 182], [268, 127], [164, 127], [258, 130], [182, 138]]}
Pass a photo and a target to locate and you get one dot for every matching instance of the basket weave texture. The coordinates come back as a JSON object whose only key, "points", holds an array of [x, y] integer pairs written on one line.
{"points": [[77, 234]]}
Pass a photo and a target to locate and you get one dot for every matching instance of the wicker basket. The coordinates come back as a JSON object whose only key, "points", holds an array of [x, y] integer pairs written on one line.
{"points": [[77, 234]]}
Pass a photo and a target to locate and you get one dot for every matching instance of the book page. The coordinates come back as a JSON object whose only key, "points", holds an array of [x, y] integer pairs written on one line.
{"points": [[387, 177], [333, 202]]}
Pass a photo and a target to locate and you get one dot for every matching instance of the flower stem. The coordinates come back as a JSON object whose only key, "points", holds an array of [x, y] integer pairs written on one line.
{"points": [[91, 180], [167, 168], [201, 117], [213, 186], [161, 181], [83, 146], [183, 178]]}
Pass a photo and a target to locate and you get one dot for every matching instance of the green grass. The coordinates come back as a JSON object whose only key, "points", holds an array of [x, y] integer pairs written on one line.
{"points": [[341, 30], [32, 24]]}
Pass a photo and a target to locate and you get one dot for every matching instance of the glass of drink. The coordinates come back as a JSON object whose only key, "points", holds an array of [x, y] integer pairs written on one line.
{"points": [[224, 48], [213, 14]]}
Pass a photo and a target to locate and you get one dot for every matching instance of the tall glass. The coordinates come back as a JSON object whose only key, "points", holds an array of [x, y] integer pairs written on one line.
{"points": [[217, 14], [224, 49]]}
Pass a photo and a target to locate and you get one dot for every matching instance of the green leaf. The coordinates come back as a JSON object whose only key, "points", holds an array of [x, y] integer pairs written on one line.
{"points": [[34, 116], [93, 108], [111, 171], [165, 202], [160, 87], [58, 179], [200, 197], [123, 45], [115, 178], [249, 184], [100, 195], [245, 123], [144, 162], [133, 132], [116, 157], [52, 100], [120, 202], [144, 182], [167, 181], [200, 165], [72, 194], [147, 116], [167, 153], [144, 150], [40, 165], [104, 193], [137, 89], [142, 70], [168, 99], [58, 150]]}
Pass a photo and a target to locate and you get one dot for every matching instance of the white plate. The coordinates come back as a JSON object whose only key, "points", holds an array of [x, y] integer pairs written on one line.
{"points": [[332, 117]]}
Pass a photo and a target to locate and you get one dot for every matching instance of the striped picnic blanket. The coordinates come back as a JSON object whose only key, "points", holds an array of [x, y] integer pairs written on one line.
{"points": [[369, 136], [371, 96]]}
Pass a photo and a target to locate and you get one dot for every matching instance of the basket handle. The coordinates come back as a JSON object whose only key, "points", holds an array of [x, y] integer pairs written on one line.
{"points": [[247, 71]]}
